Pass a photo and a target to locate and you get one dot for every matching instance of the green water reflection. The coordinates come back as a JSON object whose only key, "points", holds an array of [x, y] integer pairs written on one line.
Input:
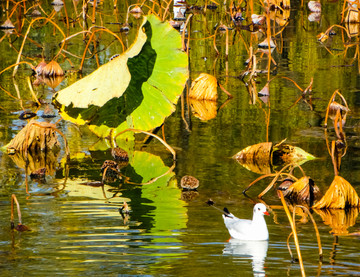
{"points": [[77, 230]]}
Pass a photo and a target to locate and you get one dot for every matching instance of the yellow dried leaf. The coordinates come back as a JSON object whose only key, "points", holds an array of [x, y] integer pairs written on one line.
{"points": [[340, 195], [204, 87]]}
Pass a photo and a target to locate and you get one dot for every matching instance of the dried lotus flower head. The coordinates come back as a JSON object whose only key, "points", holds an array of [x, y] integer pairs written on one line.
{"points": [[204, 87]]}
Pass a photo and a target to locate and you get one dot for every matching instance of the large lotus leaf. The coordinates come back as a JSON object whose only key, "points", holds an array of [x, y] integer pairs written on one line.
{"points": [[138, 89]]}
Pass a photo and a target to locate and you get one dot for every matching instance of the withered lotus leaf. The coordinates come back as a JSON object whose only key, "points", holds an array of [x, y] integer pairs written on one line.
{"points": [[204, 87], [34, 138], [340, 195], [303, 189], [261, 157]]}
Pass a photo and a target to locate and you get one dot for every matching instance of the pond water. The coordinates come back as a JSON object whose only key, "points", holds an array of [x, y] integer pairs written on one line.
{"points": [[76, 227]]}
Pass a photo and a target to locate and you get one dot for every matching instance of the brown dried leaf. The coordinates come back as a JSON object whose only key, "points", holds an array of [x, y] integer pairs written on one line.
{"points": [[340, 195], [204, 87], [303, 189]]}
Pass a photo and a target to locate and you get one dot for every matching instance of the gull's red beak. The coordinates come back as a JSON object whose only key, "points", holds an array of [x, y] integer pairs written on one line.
{"points": [[266, 213]]}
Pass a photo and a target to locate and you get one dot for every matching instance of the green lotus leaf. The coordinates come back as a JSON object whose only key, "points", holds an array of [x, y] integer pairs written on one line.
{"points": [[138, 89]]}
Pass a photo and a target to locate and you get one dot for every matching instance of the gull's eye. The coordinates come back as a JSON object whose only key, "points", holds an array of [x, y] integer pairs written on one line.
{"points": [[258, 209]]}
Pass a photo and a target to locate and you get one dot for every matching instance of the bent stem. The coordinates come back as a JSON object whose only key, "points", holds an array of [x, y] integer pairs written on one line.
{"points": [[293, 228], [14, 199]]}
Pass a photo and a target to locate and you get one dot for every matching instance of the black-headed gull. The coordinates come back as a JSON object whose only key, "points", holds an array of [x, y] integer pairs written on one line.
{"points": [[244, 229]]}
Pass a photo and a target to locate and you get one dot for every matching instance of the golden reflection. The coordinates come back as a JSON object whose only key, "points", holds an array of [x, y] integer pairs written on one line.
{"points": [[339, 219], [203, 109]]}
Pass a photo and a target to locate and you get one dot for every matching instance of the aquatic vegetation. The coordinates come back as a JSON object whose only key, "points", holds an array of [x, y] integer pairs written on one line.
{"points": [[132, 71]]}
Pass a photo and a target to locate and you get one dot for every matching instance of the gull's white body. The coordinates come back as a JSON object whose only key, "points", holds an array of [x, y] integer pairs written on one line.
{"points": [[244, 229]]}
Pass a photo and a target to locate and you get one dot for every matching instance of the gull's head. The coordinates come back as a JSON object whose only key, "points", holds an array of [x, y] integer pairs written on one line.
{"points": [[260, 208]]}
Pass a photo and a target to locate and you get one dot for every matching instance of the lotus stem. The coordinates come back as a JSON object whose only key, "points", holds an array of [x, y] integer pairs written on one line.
{"points": [[186, 47], [293, 228]]}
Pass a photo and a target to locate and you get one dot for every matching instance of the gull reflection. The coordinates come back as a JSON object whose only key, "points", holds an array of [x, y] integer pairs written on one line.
{"points": [[255, 250]]}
